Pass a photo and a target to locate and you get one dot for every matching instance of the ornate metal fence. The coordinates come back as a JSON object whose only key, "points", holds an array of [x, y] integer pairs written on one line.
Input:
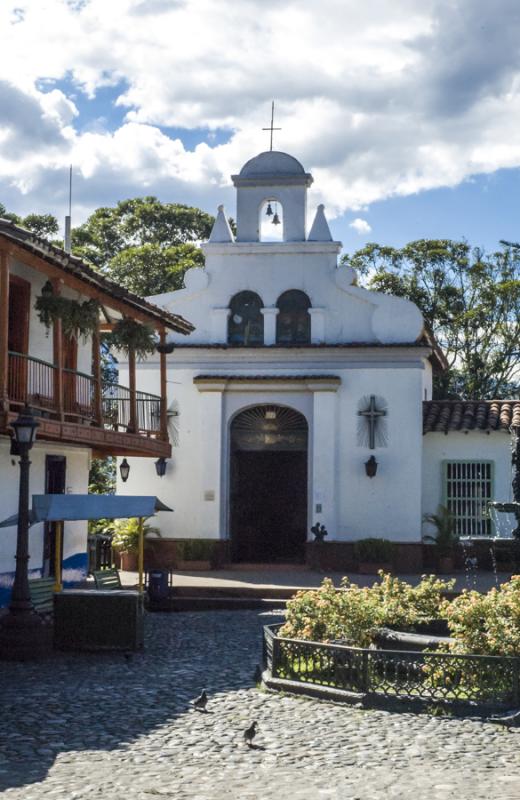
{"points": [[396, 674]]}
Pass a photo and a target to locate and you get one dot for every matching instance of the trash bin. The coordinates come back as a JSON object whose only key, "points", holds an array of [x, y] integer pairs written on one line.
{"points": [[158, 589]]}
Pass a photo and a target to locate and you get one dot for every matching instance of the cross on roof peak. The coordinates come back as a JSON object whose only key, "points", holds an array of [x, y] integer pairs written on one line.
{"points": [[271, 127]]}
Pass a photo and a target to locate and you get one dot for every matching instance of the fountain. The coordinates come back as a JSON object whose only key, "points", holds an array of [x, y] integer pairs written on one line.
{"points": [[503, 533]]}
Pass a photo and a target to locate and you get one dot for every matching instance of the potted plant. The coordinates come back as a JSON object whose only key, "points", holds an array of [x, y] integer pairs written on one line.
{"points": [[127, 335], [445, 538], [373, 555], [195, 554], [126, 541]]}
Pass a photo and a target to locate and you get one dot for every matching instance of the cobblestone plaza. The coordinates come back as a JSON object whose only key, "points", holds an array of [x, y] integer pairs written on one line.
{"points": [[86, 726]]}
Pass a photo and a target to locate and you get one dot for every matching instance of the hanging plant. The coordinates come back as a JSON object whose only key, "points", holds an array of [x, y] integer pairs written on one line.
{"points": [[77, 319], [128, 334]]}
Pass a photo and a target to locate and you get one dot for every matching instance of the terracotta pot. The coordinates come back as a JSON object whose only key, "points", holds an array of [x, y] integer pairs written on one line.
{"points": [[128, 562]]}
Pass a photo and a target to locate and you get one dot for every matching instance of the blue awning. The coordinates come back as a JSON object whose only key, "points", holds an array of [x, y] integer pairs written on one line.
{"points": [[54, 507]]}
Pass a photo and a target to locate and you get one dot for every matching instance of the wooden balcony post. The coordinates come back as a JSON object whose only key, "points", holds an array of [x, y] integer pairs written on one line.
{"points": [[96, 371], [57, 349], [4, 332], [132, 426], [164, 387]]}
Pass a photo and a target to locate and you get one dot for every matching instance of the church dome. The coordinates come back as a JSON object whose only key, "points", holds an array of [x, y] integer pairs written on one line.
{"points": [[271, 163]]}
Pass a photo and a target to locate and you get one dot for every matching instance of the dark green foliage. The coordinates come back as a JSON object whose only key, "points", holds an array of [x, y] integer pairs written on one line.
{"points": [[470, 301], [131, 335], [143, 244], [195, 549], [102, 480], [77, 319], [374, 551]]}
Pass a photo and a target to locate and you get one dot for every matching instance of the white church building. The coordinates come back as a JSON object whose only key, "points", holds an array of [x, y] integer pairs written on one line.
{"points": [[301, 397]]}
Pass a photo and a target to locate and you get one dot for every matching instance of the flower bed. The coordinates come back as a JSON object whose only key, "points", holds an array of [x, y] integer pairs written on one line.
{"points": [[329, 639]]}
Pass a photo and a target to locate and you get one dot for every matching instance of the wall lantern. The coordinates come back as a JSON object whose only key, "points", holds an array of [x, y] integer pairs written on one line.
{"points": [[371, 467], [124, 469], [160, 467], [47, 290]]}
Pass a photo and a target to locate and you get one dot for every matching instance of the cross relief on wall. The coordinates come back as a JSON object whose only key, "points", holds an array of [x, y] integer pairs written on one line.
{"points": [[372, 429]]}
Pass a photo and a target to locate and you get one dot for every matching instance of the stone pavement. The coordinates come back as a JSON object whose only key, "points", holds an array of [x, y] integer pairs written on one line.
{"points": [[301, 578], [81, 727]]}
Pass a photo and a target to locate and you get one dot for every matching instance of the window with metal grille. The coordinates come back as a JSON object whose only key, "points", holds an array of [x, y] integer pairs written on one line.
{"points": [[468, 486]]}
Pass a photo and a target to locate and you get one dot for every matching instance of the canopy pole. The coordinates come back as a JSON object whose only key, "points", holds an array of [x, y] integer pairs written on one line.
{"points": [[140, 555], [58, 527]]}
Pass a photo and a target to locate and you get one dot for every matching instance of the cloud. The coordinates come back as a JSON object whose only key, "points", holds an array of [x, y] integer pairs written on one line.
{"points": [[360, 225], [376, 99]]}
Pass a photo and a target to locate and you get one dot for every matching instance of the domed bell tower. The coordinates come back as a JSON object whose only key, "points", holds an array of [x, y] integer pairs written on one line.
{"points": [[276, 178]]}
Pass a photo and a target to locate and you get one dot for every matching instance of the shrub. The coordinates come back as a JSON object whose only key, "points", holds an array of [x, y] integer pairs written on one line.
{"points": [[195, 549], [126, 536], [486, 624], [353, 613], [374, 551]]}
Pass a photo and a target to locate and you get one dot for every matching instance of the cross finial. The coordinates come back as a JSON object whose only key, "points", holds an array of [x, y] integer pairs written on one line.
{"points": [[271, 128]]}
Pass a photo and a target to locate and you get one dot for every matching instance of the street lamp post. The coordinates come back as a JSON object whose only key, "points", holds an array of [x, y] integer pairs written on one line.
{"points": [[22, 634]]}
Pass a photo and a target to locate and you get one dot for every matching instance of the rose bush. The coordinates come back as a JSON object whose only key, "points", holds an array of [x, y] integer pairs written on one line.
{"points": [[486, 624], [352, 613]]}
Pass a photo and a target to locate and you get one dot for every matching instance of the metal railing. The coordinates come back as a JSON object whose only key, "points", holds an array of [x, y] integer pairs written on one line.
{"points": [[78, 394], [395, 674], [31, 380], [117, 409]]}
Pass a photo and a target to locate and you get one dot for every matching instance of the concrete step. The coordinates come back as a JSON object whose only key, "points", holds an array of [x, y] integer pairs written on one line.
{"points": [[205, 603]]}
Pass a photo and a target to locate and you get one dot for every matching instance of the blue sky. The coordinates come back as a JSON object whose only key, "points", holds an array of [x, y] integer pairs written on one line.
{"points": [[407, 114]]}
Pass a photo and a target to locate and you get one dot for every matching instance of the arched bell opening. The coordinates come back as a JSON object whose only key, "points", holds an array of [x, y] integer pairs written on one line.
{"points": [[268, 485], [271, 224]]}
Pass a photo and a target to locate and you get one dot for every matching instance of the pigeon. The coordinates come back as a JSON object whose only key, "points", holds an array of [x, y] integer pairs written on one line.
{"points": [[201, 701], [250, 734], [509, 720], [257, 677]]}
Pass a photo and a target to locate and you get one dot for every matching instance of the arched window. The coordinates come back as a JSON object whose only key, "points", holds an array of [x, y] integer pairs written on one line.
{"points": [[293, 323], [246, 322]]}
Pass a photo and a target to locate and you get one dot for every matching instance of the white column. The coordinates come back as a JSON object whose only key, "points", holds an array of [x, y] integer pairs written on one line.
{"points": [[317, 325], [324, 444], [219, 318], [210, 459], [270, 315]]}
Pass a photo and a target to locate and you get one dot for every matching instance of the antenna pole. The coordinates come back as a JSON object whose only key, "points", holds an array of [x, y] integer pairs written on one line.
{"points": [[68, 239]]}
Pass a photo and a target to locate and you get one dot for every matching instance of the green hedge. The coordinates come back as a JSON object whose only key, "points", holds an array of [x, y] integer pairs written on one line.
{"points": [[196, 549], [374, 551]]}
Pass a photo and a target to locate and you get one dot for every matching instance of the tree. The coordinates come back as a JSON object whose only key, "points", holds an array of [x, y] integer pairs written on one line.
{"points": [[45, 225], [469, 299], [152, 269], [144, 244]]}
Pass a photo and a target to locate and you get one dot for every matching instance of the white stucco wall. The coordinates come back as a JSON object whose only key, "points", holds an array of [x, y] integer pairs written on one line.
{"points": [[354, 507], [75, 533], [40, 339], [471, 446]]}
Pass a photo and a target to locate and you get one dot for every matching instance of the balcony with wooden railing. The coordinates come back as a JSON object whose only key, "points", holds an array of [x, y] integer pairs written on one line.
{"points": [[75, 407], [81, 405]]}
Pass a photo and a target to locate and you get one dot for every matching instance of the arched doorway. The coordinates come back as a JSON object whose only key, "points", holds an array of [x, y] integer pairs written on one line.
{"points": [[268, 485]]}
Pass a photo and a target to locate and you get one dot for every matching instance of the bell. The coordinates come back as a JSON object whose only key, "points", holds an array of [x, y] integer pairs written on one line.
{"points": [[269, 212], [276, 219]]}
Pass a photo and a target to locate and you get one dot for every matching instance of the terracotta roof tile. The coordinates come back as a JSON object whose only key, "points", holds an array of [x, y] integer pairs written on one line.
{"points": [[442, 416]]}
